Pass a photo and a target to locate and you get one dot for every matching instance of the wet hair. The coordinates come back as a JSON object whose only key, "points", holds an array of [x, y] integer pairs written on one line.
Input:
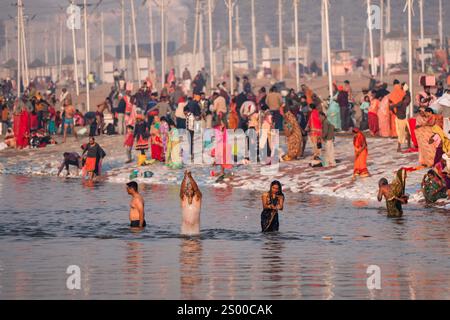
{"points": [[163, 119], [280, 188], [383, 182], [396, 81], [186, 109], [171, 123], [322, 114], [429, 110], [133, 185], [130, 127], [432, 173], [312, 106]]}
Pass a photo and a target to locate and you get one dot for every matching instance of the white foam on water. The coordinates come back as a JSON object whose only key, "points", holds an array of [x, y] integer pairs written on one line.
{"points": [[296, 177]]}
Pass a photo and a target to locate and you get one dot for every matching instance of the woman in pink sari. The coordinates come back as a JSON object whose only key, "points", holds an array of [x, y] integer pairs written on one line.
{"points": [[222, 152], [384, 118]]}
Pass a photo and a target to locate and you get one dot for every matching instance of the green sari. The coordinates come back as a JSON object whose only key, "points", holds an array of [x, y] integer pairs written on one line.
{"points": [[398, 186], [430, 187], [173, 154]]}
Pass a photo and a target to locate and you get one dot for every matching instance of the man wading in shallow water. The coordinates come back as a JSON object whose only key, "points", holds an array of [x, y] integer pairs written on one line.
{"points": [[137, 204]]}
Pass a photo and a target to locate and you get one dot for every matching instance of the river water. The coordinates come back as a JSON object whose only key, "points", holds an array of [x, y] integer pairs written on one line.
{"points": [[48, 224]]}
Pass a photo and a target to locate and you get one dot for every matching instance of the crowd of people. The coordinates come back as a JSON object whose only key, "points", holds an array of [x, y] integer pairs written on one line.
{"points": [[150, 120]]}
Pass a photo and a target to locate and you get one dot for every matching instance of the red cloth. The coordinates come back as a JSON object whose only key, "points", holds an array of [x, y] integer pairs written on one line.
{"points": [[22, 129], [157, 149], [90, 164], [34, 122], [373, 123], [129, 140], [412, 126], [315, 124]]}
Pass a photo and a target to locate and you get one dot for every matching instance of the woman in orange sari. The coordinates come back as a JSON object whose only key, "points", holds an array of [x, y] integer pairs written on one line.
{"points": [[361, 154], [384, 118], [233, 117]]}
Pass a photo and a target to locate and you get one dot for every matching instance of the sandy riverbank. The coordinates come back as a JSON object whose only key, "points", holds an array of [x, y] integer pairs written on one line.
{"points": [[296, 176]]}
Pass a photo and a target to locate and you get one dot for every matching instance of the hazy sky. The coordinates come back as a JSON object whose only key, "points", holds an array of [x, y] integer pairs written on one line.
{"points": [[353, 11]]}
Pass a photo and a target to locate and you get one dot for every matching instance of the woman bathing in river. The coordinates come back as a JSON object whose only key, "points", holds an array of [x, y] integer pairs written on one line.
{"points": [[272, 201]]}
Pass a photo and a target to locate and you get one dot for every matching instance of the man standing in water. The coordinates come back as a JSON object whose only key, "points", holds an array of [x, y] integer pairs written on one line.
{"points": [[69, 121], [394, 194], [191, 204], [137, 207]]}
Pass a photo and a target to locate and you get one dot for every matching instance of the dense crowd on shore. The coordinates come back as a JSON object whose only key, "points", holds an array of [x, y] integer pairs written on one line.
{"points": [[151, 120]]}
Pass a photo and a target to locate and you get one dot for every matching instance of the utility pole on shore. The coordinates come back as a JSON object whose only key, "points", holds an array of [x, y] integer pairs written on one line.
{"points": [[162, 5], [86, 53], [122, 34], [382, 42], [152, 41], [388, 17], [422, 48], [136, 44], [230, 5], [327, 33], [254, 54], [24, 59], [297, 53], [343, 32], [74, 47], [410, 56], [60, 49], [370, 26], [19, 48], [324, 43], [441, 26], [212, 68], [103, 45], [280, 35]]}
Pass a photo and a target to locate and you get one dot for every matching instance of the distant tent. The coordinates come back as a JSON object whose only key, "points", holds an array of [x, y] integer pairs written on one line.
{"points": [[67, 60], [10, 64], [108, 58], [37, 64]]}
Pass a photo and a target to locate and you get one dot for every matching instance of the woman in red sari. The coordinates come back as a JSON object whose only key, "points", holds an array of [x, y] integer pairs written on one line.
{"points": [[156, 140], [373, 115], [361, 154], [22, 128]]}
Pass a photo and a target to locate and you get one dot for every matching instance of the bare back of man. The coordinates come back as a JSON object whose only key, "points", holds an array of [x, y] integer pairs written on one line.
{"points": [[191, 203]]}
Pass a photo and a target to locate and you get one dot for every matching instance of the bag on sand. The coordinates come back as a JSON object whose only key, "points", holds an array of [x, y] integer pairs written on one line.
{"points": [[110, 130]]}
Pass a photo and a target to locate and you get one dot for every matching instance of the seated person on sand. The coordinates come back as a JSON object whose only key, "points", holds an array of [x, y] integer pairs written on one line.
{"points": [[433, 187], [191, 204], [10, 139], [394, 193]]}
